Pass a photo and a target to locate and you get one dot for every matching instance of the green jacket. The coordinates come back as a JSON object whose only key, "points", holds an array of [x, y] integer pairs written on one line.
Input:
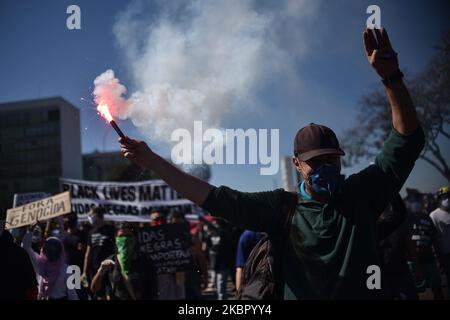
{"points": [[330, 246]]}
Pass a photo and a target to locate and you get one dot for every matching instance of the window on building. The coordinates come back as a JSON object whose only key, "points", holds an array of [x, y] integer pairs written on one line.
{"points": [[53, 115]]}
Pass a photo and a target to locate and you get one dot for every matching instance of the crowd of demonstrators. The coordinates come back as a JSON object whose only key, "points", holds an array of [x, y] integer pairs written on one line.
{"points": [[412, 240], [108, 254]]}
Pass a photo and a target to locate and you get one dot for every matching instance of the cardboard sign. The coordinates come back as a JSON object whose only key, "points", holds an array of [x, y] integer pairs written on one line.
{"points": [[168, 246], [38, 210]]}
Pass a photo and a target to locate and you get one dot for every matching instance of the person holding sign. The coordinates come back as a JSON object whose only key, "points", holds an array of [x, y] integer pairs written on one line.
{"points": [[50, 265], [130, 274], [329, 243]]}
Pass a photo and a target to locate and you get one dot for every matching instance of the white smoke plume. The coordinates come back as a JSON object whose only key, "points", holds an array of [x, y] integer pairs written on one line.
{"points": [[201, 60]]}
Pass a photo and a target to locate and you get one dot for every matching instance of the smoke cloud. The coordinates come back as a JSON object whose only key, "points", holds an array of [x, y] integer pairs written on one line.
{"points": [[201, 60]]}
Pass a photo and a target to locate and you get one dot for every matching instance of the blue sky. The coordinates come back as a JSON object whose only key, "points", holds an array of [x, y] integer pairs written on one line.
{"points": [[40, 57]]}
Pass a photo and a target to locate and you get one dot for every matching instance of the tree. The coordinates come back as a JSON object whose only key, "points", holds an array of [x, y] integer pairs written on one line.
{"points": [[430, 91]]}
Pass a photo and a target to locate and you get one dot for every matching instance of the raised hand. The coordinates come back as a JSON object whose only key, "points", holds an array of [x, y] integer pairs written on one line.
{"points": [[380, 53]]}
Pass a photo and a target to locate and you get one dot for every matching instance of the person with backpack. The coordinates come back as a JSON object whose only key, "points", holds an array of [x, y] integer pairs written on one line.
{"points": [[325, 234]]}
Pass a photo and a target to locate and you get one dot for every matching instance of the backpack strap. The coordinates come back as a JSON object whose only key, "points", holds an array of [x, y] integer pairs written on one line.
{"points": [[290, 200], [288, 205]]}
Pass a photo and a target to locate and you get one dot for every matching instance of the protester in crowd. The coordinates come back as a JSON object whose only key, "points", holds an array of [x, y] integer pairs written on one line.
{"points": [[426, 245], [247, 242], [395, 251], [74, 241], [171, 286], [51, 268], [197, 278], [157, 218], [18, 277], [203, 238], [130, 274], [430, 202], [211, 247], [441, 220], [332, 238], [222, 246], [100, 245]]}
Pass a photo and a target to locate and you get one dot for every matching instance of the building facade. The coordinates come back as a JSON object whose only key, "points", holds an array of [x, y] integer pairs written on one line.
{"points": [[101, 166], [39, 143]]}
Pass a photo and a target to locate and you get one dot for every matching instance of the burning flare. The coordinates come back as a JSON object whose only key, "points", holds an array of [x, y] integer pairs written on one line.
{"points": [[103, 110]]}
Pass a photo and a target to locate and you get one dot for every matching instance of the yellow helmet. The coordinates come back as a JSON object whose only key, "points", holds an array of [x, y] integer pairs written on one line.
{"points": [[443, 190]]}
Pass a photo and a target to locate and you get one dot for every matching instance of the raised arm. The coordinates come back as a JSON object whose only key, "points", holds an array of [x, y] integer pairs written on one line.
{"points": [[189, 186], [253, 211], [384, 60], [402, 148], [26, 244]]}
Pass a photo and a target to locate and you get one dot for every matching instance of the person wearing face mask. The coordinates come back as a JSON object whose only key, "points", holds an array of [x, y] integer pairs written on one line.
{"points": [[18, 277], [100, 245], [441, 220], [51, 268], [330, 239], [129, 273]]}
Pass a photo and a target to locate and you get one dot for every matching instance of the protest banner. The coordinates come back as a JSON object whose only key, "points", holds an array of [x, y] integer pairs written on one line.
{"points": [[23, 198], [168, 246], [38, 210], [126, 201]]}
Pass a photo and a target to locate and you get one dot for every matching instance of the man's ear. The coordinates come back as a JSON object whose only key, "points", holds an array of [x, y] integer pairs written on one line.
{"points": [[296, 164]]}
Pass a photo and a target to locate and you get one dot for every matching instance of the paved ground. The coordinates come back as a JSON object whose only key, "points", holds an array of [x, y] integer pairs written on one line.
{"points": [[210, 293]]}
